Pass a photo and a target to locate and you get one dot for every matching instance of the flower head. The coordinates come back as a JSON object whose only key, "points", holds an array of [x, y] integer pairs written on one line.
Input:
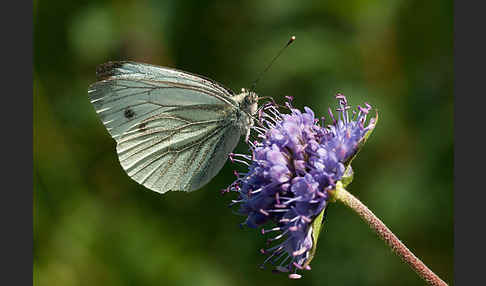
{"points": [[293, 165]]}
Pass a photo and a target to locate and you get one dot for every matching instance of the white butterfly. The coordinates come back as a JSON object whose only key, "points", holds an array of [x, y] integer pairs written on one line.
{"points": [[174, 130]]}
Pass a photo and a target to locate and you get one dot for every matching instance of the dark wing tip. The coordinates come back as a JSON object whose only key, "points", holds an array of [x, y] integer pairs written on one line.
{"points": [[108, 69]]}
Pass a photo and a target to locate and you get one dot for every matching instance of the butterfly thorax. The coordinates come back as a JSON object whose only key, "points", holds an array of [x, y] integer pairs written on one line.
{"points": [[248, 106]]}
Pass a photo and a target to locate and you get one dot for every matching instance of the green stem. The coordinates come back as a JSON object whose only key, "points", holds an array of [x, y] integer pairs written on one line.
{"points": [[340, 194]]}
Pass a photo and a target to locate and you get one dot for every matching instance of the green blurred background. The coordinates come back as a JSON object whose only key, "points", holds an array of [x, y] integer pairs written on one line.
{"points": [[93, 225]]}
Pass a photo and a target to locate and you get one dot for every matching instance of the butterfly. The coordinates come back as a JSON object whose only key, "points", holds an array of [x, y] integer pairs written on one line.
{"points": [[173, 129]]}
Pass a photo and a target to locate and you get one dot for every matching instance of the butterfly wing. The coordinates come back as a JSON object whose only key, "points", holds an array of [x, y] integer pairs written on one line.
{"points": [[173, 129]]}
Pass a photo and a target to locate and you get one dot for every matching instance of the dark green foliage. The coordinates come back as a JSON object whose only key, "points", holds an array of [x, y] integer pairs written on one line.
{"points": [[93, 225]]}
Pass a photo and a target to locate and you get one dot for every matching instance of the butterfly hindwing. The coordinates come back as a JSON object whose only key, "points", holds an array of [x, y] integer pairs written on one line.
{"points": [[173, 129]]}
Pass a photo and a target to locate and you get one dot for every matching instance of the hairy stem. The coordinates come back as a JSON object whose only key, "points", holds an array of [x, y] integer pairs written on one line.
{"points": [[340, 194]]}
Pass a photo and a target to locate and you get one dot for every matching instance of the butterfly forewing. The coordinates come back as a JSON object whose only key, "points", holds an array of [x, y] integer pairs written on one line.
{"points": [[173, 129]]}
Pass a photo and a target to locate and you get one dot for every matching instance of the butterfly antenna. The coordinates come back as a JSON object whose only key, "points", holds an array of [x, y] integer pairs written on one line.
{"points": [[270, 64]]}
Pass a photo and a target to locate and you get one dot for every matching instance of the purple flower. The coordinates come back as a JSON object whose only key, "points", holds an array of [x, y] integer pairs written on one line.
{"points": [[293, 164]]}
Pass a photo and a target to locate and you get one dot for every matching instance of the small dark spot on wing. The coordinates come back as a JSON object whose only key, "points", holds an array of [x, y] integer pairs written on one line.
{"points": [[142, 126], [107, 70], [129, 113]]}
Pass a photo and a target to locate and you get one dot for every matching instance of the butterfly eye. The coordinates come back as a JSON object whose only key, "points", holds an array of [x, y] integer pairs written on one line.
{"points": [[250, 99]]}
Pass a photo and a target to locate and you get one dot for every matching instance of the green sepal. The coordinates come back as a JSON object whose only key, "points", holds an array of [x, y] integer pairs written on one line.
{"points": [[316, 229], [348, 176]]}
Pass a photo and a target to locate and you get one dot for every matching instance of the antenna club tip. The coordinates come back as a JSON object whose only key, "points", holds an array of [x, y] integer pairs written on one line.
{"points": [[291, 40]]}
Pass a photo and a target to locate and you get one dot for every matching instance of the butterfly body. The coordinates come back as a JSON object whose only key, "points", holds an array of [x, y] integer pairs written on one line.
{"points": [[174, 130]]}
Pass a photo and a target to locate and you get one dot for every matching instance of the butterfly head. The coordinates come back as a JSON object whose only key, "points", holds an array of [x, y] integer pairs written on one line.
{"points": [[249, 101], [248, 106]]}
